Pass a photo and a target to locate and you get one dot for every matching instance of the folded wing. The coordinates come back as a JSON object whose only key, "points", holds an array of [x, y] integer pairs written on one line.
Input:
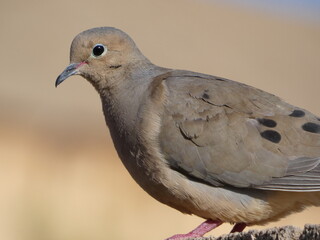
{"points": [[221, 132]]}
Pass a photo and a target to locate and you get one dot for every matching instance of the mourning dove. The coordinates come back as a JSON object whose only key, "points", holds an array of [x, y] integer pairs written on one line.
{"points": [[204, 145]]}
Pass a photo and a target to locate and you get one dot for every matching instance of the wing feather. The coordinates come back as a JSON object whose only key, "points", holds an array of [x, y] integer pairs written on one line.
{"points": [[226, 133]]}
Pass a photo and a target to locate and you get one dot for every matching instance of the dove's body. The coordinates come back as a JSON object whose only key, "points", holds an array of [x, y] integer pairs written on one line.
{"points": [[204, 145], [161, 122]]}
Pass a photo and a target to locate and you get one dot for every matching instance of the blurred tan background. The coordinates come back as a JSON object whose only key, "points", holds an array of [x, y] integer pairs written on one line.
{"points": [[60, 178]]}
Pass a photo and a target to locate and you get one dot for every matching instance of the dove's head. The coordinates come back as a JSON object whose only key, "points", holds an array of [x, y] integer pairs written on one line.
{"points": [[101, 54]]}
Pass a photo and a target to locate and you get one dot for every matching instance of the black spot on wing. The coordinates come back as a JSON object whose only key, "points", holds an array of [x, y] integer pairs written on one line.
{"points": [[220, 79], [271, 135], [267, 122], [297, 113], [311, 127], [205, 96]]}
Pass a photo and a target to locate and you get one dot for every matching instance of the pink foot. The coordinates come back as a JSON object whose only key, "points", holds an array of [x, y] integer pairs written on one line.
{"points": [[238, 227], [202, 229]]}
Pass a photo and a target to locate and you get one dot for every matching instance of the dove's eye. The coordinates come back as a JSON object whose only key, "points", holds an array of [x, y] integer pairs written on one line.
{"points": [[98, 50]]}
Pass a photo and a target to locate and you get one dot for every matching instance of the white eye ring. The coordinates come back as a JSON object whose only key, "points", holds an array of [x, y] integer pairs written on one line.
{"points": [[99, 50]]}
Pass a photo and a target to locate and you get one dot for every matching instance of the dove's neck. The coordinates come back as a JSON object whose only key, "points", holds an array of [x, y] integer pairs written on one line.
{"points": [[123, 101]]}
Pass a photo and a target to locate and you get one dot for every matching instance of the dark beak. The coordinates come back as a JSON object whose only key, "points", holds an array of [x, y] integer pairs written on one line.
{"points": [[72, 69]]}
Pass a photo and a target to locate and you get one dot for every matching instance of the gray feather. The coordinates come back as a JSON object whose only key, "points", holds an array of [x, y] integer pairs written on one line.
{"points": [[212, 131]]}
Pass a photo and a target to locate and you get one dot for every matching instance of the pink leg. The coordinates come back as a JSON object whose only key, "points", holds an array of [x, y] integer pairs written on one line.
{"points": [[238, 227], [202, 229]]}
